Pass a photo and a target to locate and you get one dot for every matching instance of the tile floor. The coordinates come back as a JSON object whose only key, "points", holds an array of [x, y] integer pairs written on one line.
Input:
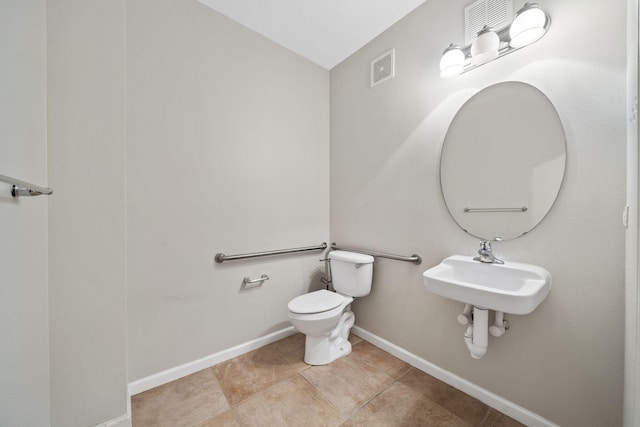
{"points": [[272, 386]]}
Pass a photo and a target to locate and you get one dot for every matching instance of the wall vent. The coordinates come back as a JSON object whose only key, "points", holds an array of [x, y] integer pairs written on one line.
{"points": [[494, 13], [383, 68]]}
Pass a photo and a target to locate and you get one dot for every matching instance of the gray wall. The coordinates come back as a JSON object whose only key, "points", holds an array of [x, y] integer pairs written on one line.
{"points": [[87, 213], [227, 139], [564, 361], [24, 323], [227, 151]]}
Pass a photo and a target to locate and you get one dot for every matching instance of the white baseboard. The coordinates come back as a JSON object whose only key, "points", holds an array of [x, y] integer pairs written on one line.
{"points": [[497, 402], [189, 368], [123, 421]]}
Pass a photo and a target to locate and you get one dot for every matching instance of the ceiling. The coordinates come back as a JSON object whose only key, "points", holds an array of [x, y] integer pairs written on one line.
{"points": [[323, 31]]}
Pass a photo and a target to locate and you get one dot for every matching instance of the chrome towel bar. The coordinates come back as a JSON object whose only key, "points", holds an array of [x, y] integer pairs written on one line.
{"points": [[22, 188], [415, 258], [471, 210], [220, 257]]}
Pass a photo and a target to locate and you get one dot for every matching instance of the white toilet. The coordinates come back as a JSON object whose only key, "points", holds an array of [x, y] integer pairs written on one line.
{"points": [[325, 317]]}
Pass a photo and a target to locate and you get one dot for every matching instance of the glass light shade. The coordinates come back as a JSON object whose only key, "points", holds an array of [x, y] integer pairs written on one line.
{"points": [[452, 62], [485, 46], [528, 26]]}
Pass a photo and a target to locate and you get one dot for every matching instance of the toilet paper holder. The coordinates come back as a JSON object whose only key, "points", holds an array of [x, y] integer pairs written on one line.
{"points": [[247, 280]]}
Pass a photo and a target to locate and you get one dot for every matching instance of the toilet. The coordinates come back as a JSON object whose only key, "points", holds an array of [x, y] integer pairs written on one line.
{"points": [[325, 317]]}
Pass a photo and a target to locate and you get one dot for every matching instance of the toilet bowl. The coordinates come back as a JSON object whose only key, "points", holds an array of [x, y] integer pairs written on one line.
{"points": [[325, 317], [318, 315]]}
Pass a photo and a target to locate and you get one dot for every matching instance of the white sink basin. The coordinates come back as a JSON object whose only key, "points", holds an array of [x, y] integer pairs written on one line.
{"points": [[511, 287]]}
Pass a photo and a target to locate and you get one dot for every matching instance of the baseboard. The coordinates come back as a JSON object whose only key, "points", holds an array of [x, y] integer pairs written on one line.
{"points": [[499, 403], [189, 368], [123, 421]]}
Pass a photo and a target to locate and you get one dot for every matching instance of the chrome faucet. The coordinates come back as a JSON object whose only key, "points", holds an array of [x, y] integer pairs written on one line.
{"points": [[486, 254]]}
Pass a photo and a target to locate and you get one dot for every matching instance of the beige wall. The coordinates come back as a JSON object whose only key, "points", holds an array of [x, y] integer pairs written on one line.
{"points": [[24, 330], [87, 212], [565, 360], [227, 151]]}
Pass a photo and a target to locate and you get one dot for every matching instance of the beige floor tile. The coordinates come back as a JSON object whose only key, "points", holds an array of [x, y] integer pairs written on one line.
{"points": [[273, 386], [498, 419], [291, 344], [453, 400], [226, 419], [293, 402], [291, 349], [400, 405], [247, 374], [364, 352], [347, 385], [189, 401], [354, 339]]}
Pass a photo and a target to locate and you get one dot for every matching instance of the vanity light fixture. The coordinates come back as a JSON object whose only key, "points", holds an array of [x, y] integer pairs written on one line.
{"points": [[452, 61], [528, 26], [485, 47]]}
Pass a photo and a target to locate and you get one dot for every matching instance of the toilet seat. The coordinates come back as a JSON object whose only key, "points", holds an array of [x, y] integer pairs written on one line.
{"points": [[315, 302]]}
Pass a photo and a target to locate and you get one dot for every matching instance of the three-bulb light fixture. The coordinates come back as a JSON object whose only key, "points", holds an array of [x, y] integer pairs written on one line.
{"points": [[528, 26]]}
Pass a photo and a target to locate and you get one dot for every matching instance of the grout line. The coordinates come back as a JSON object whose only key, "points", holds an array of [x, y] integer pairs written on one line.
{"points": [[486, 416], [224, 393], [397, 380], [375, 397], [337, 411]]}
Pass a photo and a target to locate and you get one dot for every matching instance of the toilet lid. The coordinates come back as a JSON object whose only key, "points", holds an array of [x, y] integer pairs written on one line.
{"points": [[315, 302]]}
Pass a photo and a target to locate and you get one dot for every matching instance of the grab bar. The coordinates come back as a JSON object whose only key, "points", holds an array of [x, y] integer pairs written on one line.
{"points": [[472, 210], [22, 188], [220, 257], [415, 258]]}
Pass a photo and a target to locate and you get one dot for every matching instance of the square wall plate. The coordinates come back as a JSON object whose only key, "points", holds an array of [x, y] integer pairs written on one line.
{"points": [[383, 68]]}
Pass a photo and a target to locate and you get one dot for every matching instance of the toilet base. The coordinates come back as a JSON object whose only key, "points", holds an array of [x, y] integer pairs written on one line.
{"points": [[322, 350]]}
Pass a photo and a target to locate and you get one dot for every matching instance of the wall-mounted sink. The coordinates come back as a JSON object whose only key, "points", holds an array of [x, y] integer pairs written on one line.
{"points": [[512, 287]]}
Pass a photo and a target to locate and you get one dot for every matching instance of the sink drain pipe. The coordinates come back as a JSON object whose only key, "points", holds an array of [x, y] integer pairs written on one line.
{"points": [[477, 335]]}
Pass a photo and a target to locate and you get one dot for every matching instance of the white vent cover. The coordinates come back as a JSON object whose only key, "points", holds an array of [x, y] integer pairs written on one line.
{"points": [[494, 13], [383, 68]]}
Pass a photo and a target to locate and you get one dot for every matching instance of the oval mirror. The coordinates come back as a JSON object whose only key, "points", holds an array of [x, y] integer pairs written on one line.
{"points": [[503, 161]]}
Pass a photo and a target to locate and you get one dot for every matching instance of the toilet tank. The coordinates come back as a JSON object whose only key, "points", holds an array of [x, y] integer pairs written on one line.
{"points": [[351, 273]]}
